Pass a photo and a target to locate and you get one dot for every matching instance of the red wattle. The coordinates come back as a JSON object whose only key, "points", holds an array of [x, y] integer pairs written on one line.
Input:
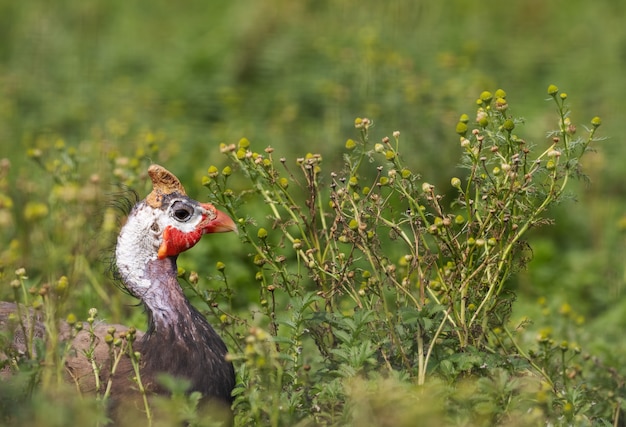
{"points": [[175, 241]]}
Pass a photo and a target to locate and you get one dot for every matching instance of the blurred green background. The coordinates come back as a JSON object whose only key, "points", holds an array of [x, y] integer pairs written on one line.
{"points": [[92, 89]]}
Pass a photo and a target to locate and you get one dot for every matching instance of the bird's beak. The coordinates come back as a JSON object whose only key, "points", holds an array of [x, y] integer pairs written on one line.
{"points": [[221, 223]]}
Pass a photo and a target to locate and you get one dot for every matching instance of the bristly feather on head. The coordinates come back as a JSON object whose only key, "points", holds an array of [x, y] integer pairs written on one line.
{"points": [[122, 203]]}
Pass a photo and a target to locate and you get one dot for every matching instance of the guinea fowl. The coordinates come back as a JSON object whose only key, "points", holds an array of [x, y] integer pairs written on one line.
{"points": [[179, 341]]}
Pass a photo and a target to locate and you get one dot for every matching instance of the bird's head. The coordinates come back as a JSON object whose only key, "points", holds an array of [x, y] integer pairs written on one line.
{"points": [[166, 223], [183, 220]]}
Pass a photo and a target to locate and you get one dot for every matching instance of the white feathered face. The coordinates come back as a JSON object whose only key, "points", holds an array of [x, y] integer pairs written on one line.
{"points": [[163, 225], [157, 232]]}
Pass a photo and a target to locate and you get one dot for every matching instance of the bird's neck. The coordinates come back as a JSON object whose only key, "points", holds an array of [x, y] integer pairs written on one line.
{"points": [[179, 340], [167, 306]]}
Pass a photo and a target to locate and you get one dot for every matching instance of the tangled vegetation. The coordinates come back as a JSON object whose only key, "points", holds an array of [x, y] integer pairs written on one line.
{"points": [[372, 278], [381, 298]]}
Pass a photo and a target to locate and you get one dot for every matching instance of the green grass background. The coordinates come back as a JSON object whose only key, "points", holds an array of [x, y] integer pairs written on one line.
{"points": [[89, 82]]}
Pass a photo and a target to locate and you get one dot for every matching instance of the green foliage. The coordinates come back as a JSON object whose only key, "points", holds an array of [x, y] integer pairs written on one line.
{"points": [[383, 275], [376, 291], [92, 93]]}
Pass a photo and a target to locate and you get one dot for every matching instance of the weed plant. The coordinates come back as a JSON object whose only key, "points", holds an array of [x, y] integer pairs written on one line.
{"points": [[382, 299], [371, 277]]}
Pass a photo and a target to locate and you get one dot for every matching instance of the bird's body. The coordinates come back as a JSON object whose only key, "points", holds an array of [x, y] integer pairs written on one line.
{"points": [[178, 341]]}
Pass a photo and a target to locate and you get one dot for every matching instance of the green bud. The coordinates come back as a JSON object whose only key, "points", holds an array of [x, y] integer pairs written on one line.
{"points": [[262, 233], [61, 285], [464, 118], [297, 244], [461, 128], [243, 143], [596, 121], [508, 125], [220, 266], [552, 90], [350, 144], [455, 182], [486, 97], [213, 171], [71, 319], [227, 171], [500, 94]]}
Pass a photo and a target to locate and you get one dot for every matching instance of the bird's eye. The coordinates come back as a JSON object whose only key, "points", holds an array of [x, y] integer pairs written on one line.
{"points": [[181, 211], [181, 214]]}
